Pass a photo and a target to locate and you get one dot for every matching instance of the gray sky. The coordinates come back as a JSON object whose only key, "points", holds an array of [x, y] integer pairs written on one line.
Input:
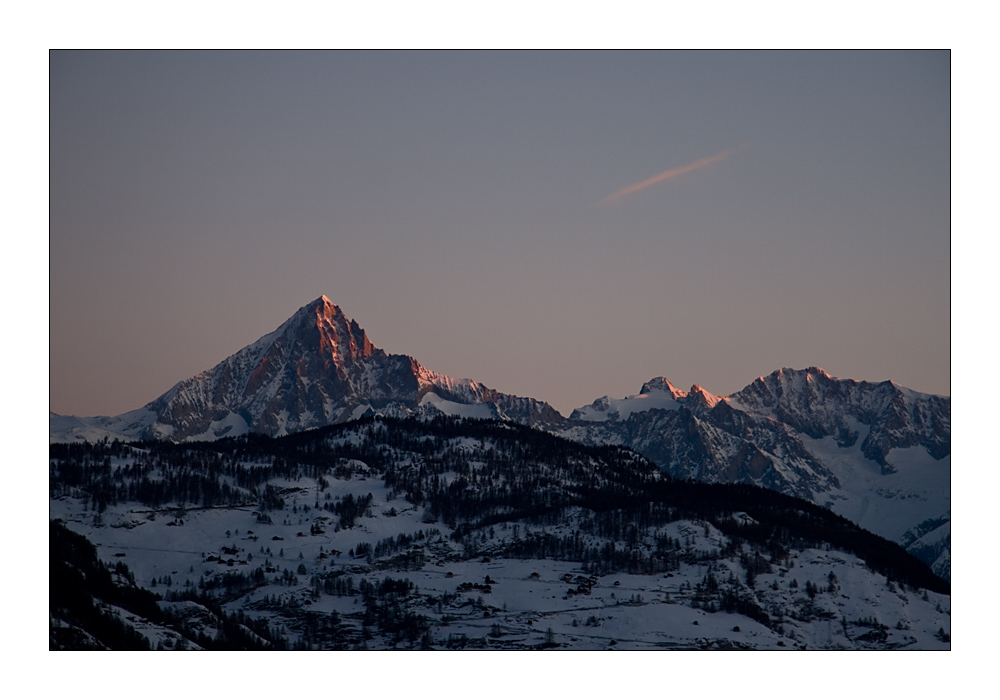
{"points": [[557, 225]]}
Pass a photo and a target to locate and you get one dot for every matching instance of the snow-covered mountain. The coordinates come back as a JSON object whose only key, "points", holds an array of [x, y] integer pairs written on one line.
{"points": [[876, 453], [318, 368]]}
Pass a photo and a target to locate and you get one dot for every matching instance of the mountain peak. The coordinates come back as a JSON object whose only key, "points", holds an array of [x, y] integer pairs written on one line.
{"points": [[701, 398], [808, 372], [661, 384], [338, 336], [317, 368], [326, 305], [322, 306]]}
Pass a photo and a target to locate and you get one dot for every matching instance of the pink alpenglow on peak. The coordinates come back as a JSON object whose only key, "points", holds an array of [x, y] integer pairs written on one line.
{"points": [[317, 368]]}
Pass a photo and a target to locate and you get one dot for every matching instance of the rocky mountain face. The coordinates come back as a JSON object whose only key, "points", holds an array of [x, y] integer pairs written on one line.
{"points": [[817, 405], [318, 368], [700, 436], [876, 453]]}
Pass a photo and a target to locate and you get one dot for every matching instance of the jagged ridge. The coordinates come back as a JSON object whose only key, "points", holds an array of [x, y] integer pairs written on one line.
{"points": [[318, 368], [851, 446]]}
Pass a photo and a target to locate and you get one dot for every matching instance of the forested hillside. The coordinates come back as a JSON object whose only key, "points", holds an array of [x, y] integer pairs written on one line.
{"points": [[386, 532]]}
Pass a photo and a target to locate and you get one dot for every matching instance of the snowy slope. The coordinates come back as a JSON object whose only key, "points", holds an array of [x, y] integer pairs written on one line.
{"points": [[410, 569]]}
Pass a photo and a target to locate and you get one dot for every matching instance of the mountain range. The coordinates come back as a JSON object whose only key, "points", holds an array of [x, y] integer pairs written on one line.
{"points": [[876, 453]]}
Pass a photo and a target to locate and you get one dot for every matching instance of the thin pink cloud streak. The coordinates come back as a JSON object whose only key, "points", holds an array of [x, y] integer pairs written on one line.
{"points": [[664, 176]]}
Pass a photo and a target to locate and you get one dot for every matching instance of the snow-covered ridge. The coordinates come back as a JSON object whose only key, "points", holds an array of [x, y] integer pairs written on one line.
{"points": [[817, 404], [876, 453], [607, 408], [656, 394]]}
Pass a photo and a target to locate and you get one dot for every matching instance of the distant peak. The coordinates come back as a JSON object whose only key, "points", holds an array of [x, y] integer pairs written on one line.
{"points": [[660, 384], [320, 306], [807, 373], [323, 310], [817, 371], [699, 396], [323, 303]]}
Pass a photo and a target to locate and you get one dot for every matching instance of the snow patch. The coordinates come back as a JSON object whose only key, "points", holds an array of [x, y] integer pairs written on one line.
{"points": [[607, 408], [451, 408], [229, 426]]}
